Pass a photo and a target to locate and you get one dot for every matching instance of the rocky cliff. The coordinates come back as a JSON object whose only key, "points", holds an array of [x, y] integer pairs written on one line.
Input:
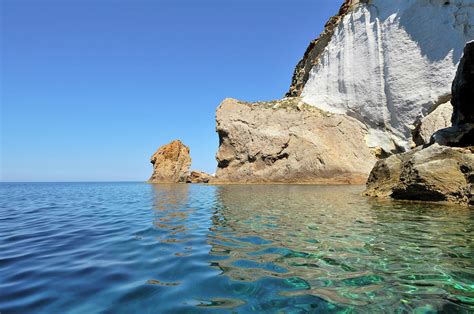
{"points": [[442, 170], [379, 78], [387, 63], [289, 141]]}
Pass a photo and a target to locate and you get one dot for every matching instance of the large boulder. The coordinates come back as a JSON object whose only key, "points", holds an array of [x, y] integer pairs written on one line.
{"points": [[171, 163], [439, 119], [289, 141], [436, 173]]}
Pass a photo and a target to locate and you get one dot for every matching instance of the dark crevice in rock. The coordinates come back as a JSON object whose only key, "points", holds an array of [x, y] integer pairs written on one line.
{"points": [[273, 159], [418, 192], [223, 163], [222, 135], [465, 140]]}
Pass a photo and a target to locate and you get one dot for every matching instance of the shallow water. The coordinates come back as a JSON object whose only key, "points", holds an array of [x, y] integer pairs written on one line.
{"points": [[134, 247]]}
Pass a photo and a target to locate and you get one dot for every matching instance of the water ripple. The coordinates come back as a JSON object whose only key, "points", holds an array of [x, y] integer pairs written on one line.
{"points": [[133, 247]]}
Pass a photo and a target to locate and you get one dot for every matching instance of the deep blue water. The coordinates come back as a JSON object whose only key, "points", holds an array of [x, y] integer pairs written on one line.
{"points": [[140, 248]]}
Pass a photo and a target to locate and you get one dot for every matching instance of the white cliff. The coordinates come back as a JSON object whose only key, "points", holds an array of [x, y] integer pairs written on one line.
{"points": [[388, 63]]}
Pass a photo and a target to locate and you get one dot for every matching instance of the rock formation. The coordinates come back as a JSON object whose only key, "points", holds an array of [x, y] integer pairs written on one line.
{"points": [[440, 118], [315, 50], [386, 63], [462, 131], [171, 163], [289, 141], [198, 177], [436, 172], [463, 87]]}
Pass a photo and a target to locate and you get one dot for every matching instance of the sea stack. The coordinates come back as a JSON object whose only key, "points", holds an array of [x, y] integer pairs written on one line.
{"points": [[171, 163]]}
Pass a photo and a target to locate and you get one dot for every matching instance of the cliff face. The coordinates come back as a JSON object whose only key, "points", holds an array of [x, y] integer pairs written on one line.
{"points": [[316, 49], [436, 172], [375, 78], [289, 141], [387, 63]]}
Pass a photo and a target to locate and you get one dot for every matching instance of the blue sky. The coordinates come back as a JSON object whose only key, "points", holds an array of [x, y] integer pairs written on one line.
{"points": [[90, 89]]}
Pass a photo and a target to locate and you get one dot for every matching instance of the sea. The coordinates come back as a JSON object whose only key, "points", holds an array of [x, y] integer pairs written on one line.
{"points": [[133, 247]]}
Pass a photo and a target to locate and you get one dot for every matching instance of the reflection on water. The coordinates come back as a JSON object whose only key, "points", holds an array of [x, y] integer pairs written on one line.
{"points": [[327, 247], [134, 247]]}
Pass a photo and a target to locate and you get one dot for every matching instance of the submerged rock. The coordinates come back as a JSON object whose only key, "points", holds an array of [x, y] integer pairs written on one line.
{"points": [[198, 177], [289, 141], [436, 173], [171, 163]]}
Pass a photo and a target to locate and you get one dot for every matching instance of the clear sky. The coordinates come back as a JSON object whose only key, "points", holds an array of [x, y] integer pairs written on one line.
{"points": [[90, 89]]}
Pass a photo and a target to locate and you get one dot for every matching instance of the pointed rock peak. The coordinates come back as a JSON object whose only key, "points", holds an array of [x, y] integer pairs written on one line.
{"points": [[171, 163]]}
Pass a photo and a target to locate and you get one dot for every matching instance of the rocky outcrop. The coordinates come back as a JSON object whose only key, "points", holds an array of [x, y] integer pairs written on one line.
{"points": [[171, 163], [198, 177], [386, 63], [375, 72], [463, 88], [462, 131], [436, 173], [440, 118], [289, 141], [457, 136], [315, 49]]}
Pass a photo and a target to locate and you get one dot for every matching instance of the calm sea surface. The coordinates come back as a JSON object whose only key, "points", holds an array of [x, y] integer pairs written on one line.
{"points": [[140, 248]]}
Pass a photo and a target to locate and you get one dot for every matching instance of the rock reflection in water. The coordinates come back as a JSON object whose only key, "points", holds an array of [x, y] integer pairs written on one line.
{"points": [[135, 247], [329, 242]]}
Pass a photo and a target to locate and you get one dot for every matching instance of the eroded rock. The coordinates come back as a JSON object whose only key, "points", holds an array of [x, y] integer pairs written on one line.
{"points": [[198, 177], [171, 163], [386, 63], [439, 118], [289, 141], [436, 173], [443, 171]]}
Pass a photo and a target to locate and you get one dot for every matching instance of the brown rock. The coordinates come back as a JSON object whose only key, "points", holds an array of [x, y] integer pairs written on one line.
{"points": [[171, 163], [439, 118], [198, 177], [435, 173], [288, 141], [443, 171]]}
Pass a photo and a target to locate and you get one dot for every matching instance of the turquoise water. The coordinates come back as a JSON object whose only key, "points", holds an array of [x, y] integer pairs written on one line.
{"points": [[139, 248]]}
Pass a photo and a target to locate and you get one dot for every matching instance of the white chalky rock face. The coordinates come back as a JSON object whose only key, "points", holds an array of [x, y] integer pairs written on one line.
{"points": [[389, 62]]}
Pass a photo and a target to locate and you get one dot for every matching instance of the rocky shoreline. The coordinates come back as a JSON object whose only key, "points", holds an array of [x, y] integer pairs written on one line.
{"points": [[371, 102], [443, 169]]}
